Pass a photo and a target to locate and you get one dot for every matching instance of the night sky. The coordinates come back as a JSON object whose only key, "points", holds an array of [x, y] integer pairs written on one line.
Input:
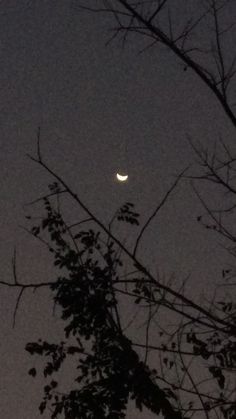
{"points": [[101, 109]]}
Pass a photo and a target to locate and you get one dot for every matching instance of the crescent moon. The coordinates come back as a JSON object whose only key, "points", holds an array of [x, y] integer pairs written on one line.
{"points": [[121, 178]]}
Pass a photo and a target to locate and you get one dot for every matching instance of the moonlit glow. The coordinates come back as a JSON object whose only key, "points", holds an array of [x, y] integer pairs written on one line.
{"points": [[121, 178]]}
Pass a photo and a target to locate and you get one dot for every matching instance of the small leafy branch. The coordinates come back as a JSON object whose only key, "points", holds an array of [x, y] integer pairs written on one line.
{"points": [[127, 214]]}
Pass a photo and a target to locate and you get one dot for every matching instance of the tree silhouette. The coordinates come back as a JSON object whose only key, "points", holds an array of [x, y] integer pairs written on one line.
{"points": [[110, 366]]}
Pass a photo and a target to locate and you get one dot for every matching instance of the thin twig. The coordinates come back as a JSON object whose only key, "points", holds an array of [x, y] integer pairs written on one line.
{"points": [[153, 215]]}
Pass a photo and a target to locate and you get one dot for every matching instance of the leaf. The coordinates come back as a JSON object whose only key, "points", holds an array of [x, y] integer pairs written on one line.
{"points": [[217, 373], [42, 407], [54, 384], [45, 223], [35, 231], [32, 372]]}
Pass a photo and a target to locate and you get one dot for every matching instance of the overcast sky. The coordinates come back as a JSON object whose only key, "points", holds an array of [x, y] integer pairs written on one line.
{"points": [[100, 109]]}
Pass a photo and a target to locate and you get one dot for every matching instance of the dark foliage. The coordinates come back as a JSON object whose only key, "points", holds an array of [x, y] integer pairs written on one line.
{"points": [[109, 371]]}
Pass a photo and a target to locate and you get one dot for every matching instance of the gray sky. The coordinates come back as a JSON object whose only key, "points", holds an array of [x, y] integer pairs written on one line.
{"points": [[100, 108]]}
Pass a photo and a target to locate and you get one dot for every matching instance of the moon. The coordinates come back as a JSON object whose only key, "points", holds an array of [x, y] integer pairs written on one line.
{"points": [[121, 178]]}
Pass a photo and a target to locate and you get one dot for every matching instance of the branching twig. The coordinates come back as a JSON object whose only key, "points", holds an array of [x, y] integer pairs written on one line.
{"points": [[163, 201]]}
